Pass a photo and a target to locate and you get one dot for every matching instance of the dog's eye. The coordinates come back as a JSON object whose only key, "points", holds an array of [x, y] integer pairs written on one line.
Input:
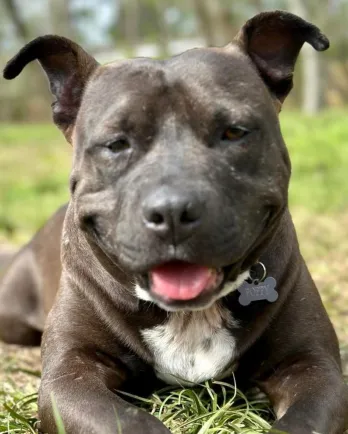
{"points": [[232, 134], [118, 145]]}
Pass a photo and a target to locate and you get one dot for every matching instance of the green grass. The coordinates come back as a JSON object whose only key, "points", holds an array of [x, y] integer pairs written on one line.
{"points": [[19, 415], [211, 408], [214, 407], [34, 170], [35, 163], [319, 153]]}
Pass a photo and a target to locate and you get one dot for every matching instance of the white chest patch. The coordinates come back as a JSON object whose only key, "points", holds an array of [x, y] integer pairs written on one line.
{"points": [[192, 347]]}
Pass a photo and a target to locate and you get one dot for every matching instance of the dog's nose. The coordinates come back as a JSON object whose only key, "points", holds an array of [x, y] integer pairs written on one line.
{"points": [[172, 214]]}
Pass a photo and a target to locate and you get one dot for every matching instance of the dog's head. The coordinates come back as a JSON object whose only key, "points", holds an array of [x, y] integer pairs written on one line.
{"points": [[180, 171]]}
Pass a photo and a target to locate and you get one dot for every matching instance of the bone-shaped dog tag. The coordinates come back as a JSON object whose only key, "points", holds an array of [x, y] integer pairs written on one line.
{"points": [[254, 291]]}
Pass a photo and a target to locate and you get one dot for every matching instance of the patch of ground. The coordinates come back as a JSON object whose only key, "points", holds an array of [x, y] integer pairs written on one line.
{"points": [[324, 245], [19, 366]]}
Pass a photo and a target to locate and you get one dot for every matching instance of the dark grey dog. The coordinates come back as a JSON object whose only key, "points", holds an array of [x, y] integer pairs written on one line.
{"points": [[179, 188]]}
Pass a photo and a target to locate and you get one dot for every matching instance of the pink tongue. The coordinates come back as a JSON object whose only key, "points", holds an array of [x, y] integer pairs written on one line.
{"points": [[180, 280]]}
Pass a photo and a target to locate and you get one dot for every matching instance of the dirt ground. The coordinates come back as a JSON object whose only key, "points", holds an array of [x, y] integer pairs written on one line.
{"points": [[18, 368]]}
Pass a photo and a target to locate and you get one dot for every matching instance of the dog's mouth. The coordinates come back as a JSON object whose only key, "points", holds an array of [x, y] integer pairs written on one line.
{"points": [[182, 281], [179, 283]]}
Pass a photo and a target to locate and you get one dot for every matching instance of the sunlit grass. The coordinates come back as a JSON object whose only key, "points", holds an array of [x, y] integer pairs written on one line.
{"points": [[211, 408], [35, 163], [34, 170], [318, 148]]}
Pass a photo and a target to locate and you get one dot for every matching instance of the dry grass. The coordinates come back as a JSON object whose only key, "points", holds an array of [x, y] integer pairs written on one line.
{"points": [[324, 245]]}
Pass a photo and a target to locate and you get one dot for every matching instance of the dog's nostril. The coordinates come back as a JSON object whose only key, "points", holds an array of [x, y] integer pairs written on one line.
{"points": [[88, 222], [157, 218], [188, 217]]}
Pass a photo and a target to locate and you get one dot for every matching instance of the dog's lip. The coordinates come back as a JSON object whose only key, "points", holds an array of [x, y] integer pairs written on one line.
{"points": [[223, 276]]}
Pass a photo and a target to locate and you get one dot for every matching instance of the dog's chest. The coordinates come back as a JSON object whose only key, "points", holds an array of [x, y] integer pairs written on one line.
{"points": [[192, 347]]}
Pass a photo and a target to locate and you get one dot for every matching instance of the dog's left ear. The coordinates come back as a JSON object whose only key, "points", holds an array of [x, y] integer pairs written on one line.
{"points": [[273, 41], [68, 68]]}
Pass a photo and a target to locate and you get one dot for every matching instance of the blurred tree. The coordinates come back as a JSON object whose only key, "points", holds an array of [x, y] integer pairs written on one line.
{"points": [[311, 66], [104, 24], [163, 27], [61, 18], [20, 27], [130, 12], [139, 21], [215, 19], [19, 24], [258, 5]]}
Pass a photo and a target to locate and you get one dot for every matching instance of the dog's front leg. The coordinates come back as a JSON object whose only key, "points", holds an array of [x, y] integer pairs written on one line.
{"points": [[82, 391], [309, 397], [83, 366], [80, 388]]}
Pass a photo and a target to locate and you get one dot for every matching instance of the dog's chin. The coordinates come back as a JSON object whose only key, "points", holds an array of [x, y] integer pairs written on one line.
{"points": [[219, 286]]}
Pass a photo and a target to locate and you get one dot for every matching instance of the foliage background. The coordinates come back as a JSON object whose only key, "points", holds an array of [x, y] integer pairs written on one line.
{"points": [[35, 161]]}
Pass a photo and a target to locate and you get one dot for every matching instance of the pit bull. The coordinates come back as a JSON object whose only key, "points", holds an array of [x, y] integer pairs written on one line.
{"points": [[179, 189]]}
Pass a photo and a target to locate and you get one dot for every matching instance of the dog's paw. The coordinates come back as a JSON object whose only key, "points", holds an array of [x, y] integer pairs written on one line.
{"points": [[148, 424]]}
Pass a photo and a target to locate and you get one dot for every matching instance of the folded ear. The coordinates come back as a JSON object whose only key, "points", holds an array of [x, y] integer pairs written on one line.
{"points": [[273, 41], [68, 68]]}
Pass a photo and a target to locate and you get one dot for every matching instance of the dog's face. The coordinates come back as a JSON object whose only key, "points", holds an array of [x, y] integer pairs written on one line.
{"points": [[177, 162], [180, 171]]}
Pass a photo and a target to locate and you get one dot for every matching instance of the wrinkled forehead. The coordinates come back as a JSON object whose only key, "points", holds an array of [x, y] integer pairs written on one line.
{"points": [[200, 81]]}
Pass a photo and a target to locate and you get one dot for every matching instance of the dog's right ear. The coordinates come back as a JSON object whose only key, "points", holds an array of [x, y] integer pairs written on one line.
{"points": [[68, 68], [273, 41]]}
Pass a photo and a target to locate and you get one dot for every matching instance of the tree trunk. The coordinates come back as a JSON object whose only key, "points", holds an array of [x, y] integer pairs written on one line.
{"points": [[203, 21], [258, 5], [61, 21], [13, 12], [214, 21], [131, 17], [311, 68], [163, 41]]}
